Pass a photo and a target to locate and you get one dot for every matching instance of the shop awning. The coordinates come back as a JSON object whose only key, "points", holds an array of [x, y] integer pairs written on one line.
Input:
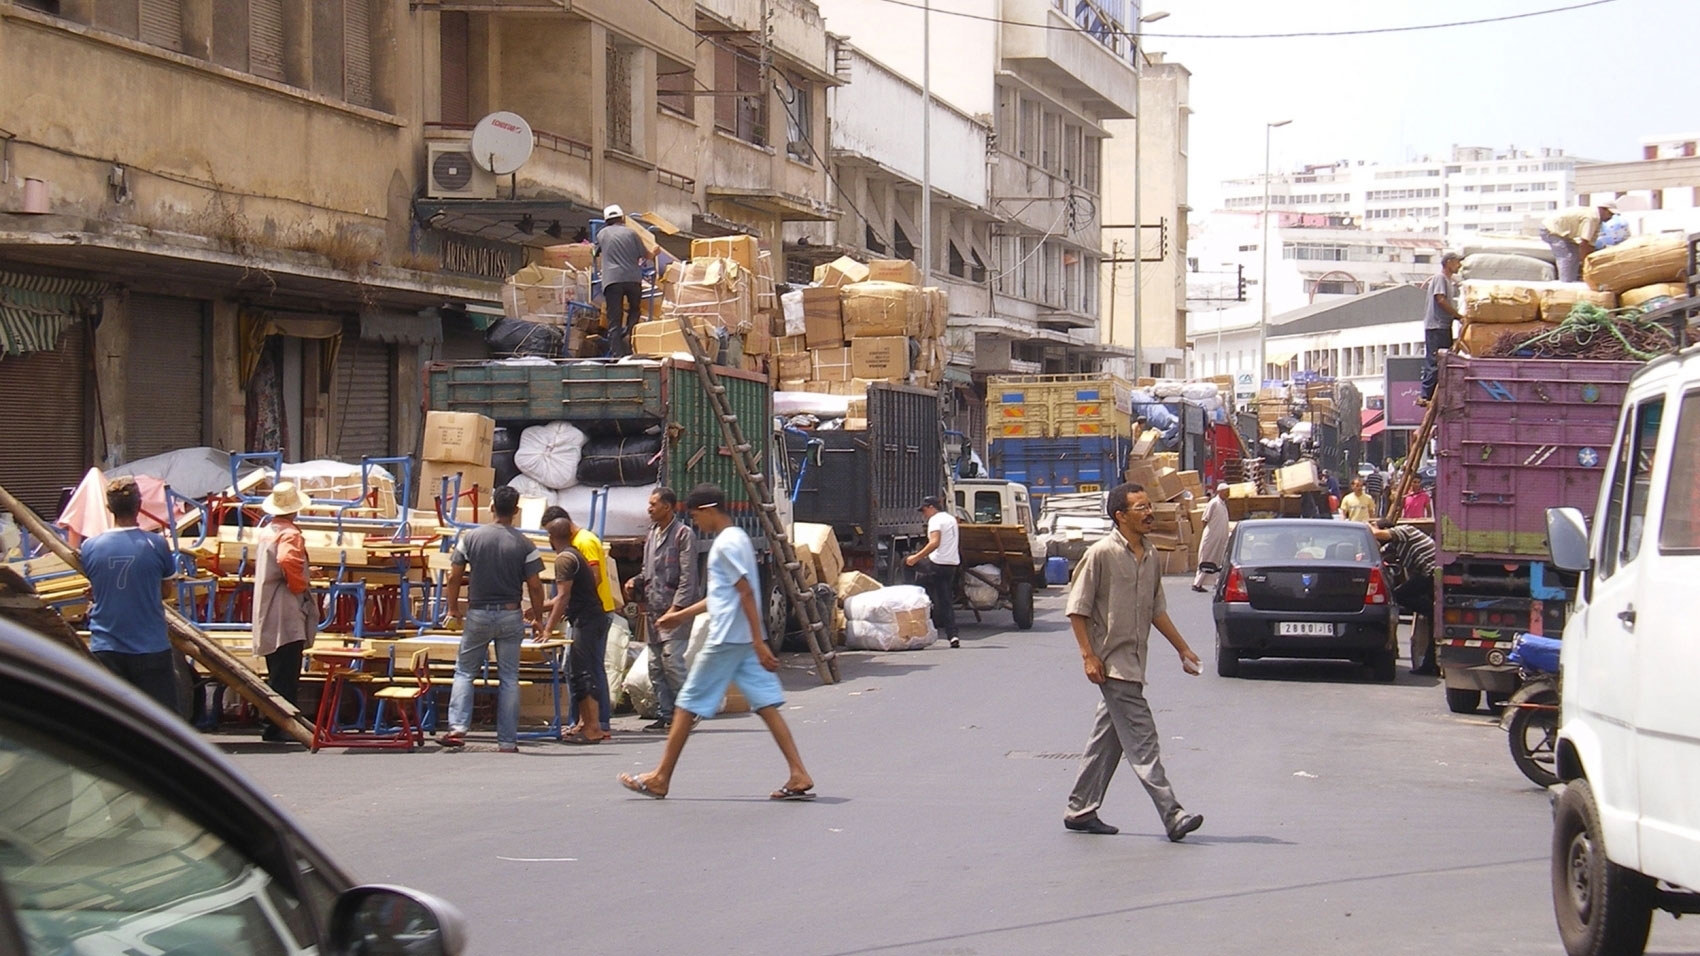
{"points": [[36, 310], [1374, 423]]}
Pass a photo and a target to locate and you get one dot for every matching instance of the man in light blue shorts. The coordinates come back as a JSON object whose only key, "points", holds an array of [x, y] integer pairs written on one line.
{"points": [[735, 652]]}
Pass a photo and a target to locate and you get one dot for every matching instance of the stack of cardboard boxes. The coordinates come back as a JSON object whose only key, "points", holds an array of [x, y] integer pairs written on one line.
{"points": [[861, 323], [726, 293], [456, 443], [1178, 497]]}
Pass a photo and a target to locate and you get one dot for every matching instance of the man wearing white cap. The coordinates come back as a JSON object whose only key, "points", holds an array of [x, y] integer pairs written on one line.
{"points": [[1213, 549], [621, 252], [286, 615]]}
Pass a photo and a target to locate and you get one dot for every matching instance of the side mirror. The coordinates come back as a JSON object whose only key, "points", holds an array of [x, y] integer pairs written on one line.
{"points": [[377, 920], [1567, 537]]}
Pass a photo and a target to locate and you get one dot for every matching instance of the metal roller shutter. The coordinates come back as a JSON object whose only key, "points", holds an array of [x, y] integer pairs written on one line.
{"points": [[362, 417], [165, 392], [44, 434]]}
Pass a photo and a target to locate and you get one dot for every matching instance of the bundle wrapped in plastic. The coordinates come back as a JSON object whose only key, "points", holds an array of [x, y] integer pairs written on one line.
{"points": [[550, 453], [981, 595], [890, 619]]}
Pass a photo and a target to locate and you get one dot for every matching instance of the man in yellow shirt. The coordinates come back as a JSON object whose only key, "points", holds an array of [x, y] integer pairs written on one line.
{"points": [[1357, 506], [586, 543]]}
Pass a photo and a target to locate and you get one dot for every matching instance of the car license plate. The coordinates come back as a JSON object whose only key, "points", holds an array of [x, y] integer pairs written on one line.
{"points": [[1304, 629]]}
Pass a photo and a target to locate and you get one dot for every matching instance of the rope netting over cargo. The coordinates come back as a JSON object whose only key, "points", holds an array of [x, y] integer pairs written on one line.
{"points": [[1591, 332]]}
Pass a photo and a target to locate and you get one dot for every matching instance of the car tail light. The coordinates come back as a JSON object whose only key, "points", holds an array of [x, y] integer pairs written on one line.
{"points": [[1376, 593], [1235, 590]]}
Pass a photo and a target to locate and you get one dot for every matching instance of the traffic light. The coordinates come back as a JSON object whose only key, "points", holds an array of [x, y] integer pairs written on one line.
{"points": [[1241, 296]]}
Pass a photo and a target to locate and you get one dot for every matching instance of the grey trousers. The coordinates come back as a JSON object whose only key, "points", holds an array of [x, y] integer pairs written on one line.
{"points": [[1123, 726]]}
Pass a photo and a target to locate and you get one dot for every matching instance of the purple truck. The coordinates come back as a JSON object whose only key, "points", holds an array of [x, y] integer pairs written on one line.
{"points": [[1515, 437]]}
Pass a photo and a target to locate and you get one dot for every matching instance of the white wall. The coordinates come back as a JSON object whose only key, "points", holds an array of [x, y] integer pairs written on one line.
{"points": [[965, 51], [879, 116]]}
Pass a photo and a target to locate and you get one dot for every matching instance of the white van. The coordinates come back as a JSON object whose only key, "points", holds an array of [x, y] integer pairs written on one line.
{"points": [[1626, 824]]}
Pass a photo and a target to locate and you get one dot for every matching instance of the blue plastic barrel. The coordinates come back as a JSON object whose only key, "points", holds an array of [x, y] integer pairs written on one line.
{"points": [[1056, 570]]}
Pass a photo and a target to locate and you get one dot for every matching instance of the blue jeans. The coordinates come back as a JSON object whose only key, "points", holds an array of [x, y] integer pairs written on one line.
{"points": [[506, 629]]}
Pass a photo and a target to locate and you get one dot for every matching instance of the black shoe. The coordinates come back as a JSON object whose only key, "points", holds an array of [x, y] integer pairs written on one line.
{"points": [[1091, 824], [659, 727], [273, 735], [1186, 823], [1198, 589], [954, 642]]}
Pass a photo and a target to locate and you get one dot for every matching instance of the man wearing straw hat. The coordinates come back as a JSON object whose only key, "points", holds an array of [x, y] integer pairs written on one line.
{"points": [[125, 567], [286, 615]]}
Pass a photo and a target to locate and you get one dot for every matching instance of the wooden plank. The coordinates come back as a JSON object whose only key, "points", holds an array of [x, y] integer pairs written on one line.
{"points": [[188, 639], [20, 605]]}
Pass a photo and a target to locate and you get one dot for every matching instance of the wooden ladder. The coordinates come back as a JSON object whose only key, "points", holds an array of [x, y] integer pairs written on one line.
{"points": [[761, 495], [1419, 443]]}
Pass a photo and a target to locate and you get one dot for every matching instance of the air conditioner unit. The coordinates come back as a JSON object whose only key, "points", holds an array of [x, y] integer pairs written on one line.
{"points": [[450, 173]]}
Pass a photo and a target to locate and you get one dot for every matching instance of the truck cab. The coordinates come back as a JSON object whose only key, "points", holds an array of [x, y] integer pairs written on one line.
{"points": [[995, 501], [1626, 834]]}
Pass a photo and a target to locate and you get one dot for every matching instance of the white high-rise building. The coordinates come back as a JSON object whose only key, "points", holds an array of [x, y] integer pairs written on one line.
{"points": [[1476, 190]]}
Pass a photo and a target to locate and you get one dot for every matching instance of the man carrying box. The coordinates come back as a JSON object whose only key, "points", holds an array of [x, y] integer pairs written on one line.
{"points": [[622, 253]]}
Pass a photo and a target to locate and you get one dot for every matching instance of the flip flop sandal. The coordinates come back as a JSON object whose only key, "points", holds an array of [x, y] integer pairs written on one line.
{"points": [[786, 793], [579, 740], [452, 739], [638, 786]]}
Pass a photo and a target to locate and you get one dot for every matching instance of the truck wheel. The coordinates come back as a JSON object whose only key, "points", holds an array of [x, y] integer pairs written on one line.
{"points": [[1021, 603], [1533, 732], [1227, 659], [1384, 665], [1603, 909], [1463, 700], [778, 616]]}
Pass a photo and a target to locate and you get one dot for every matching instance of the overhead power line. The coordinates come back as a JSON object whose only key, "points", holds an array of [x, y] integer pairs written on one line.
{"points": [[1293, 35]]}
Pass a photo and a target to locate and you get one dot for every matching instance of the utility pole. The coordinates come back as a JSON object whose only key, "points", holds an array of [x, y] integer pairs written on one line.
{"points": [[926, 247], [1263, 278]]}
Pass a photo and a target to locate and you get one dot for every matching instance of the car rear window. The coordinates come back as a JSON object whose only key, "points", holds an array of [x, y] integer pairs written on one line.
{"points": [[1274, 543]]}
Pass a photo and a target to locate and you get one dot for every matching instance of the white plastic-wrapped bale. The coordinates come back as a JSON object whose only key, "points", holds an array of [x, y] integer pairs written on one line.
{"points": [[1530, 247], [550, 453], [981, 595], [529, 487], [1507, 268], [791, 306], [640, 693], [609, 512], [897, 618]]}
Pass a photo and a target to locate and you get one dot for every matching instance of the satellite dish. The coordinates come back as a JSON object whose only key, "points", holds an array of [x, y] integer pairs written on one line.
{"points": [[501, 143]]}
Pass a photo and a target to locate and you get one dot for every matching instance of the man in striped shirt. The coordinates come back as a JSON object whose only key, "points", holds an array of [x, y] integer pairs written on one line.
{"points": [[1411, 553]]}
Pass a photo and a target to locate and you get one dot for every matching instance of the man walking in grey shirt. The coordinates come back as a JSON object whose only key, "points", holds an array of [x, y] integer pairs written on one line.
{"points": [[621, 252], [669, 582], [1116, 598]]}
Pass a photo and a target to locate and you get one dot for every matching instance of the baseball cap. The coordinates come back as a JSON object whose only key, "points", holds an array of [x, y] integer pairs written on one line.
{"points": [[1451, 257], [705, 495], [613, 212], [931, 501]]}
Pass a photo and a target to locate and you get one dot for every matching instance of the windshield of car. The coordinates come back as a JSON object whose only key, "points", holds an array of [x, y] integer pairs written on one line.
{"points": [[92, 862], [1276, 543], [1081, 523]]}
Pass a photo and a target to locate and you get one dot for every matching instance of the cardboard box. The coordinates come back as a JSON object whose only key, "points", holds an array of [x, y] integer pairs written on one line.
{"points": [[578, 255], [790, 345], [894, 270], [1268, 430], [1242, 489], [1169, 485], [852, 583], [793, 366], [1297, 478], [841, 272], [458, 436], [880, 358], [823, 320], [717, 289], [821, 543], [882, 308], [1146, 443], [938, 312], [858, 408], [743, 250], [539, 294], [832, 365], [1144, 474], [856, 423], [664, 337], [431, 474]]}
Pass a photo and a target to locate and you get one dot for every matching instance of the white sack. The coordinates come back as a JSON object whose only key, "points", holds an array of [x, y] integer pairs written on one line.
{"points": [[982, 596], [618, 512], [640, 693], [529, 487], [791, 303], [550, 453], [787, 404]]}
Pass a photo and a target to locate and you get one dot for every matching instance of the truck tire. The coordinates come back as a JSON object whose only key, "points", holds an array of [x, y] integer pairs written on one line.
{"points": [[1384, 665], [1463, 700], [1227, 659], [1533, 732], [1021, 604], [1603, 909], [778, 615]]}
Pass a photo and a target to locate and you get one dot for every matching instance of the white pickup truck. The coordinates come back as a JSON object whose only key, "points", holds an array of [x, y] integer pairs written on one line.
{"points": [[1626, 822]]}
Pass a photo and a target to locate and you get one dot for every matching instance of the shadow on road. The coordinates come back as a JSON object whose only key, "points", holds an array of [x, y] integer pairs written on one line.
{"points": [[1321, 672]]}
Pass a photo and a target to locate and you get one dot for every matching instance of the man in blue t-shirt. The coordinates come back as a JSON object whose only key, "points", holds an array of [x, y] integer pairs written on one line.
{"points": [[126, 567], [735, 652]]}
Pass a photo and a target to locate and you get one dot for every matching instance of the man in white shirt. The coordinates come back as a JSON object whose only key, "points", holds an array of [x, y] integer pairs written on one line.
{"points": [[938, 566]]}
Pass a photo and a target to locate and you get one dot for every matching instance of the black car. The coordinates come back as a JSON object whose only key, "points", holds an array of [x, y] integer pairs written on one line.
{"points": [[122, 832], [1312, 588]]}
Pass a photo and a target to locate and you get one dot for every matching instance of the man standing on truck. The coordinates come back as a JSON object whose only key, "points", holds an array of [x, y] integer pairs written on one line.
{"points": [[668, 583], [1411, 553], [620, 252], [735, 651], [1440, 295], [1571, 233], [939, 565], [1116, 599]]}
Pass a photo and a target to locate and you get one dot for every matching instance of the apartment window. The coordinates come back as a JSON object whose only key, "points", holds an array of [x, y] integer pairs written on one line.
{"points": [[799, 122], [1071, 153], [742, 116], [622, 61], [357, 52], [1051, 151], [454, 38], [1092, 157], [675, 88], [155, 22], [1027, 142]]}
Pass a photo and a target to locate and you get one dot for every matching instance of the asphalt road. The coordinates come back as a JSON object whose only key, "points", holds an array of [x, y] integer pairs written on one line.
{"points": [[1341, 816]]}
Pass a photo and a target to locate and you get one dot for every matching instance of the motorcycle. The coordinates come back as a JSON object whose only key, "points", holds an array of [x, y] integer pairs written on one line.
{"points": [[1531, 715]]}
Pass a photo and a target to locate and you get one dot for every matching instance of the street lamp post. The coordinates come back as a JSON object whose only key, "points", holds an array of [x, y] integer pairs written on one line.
{"points": [[1138, 187], [1263, 276]]}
